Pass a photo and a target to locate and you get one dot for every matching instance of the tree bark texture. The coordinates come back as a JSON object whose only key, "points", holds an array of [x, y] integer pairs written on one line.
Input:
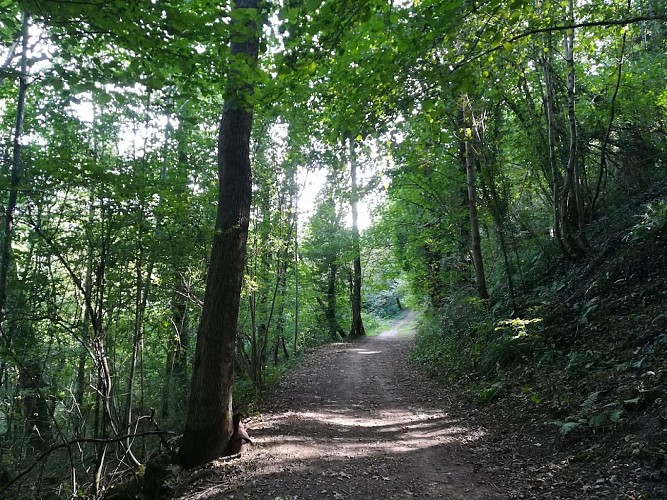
{"points": [[209, 422], [573, 166], [555, 174]]}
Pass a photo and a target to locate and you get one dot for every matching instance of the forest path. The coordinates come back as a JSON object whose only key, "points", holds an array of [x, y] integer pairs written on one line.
{"points": [[355, 421]]}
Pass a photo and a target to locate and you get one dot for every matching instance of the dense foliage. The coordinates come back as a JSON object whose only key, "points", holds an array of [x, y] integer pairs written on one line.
{"points": [[496, 135]]}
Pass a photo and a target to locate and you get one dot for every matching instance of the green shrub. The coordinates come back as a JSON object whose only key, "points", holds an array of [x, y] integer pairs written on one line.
{"points": [[652, 223], [463, 342], [384, 304]]}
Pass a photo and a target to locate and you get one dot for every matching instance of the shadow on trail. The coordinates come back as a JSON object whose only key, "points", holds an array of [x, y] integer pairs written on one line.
{"points": [[356, 421]]}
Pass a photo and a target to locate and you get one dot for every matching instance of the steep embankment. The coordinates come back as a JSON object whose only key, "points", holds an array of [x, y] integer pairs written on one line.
{"points": [[589, 379]]}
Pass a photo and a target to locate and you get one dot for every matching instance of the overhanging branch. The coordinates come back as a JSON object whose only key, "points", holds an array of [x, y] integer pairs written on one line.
{"points": [[562, 27]]}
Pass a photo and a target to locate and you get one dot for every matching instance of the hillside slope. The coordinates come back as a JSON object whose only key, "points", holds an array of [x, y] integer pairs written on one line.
{"points": [[583, 369]]}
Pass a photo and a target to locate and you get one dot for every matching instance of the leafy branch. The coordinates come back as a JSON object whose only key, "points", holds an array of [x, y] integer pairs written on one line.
{"points": [[503, 44]]}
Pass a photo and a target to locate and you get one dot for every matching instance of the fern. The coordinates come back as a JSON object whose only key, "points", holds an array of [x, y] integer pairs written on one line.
{"points": [[566, 427], [588, 405]]}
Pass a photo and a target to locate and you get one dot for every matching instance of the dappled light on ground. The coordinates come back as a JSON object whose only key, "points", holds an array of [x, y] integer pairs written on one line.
{"points": [[365, 351], [350, 434], [357, 422]]}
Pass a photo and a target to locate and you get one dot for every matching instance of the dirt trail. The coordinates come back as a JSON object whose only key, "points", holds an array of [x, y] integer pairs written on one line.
{"points": [[355, 421]]}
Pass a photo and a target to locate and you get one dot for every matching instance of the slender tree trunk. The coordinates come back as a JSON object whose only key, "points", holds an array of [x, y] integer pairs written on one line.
{"points": [[496, 203], [252, 306], [434, 282], [278, 301], [573, 169], [85, 331], [258, 259], [357, 329], [612, 114], [15, 172], [209, 422], [141, 284], [79, 394], [174, 364], [19, 335], [141, 300], [36, 412], [475, 240], [494, 189], [330, 305], [555, 174], [296, 292], [175, 380], [281, 282]]}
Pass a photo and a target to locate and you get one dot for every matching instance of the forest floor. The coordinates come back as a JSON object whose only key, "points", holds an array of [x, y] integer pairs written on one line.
{"points": [[356, 420]]}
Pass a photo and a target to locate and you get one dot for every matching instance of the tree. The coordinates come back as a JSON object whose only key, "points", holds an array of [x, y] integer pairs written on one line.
{"points": [[470, 155], [324, 246], [209, 422], [357, 326], [15, 168]]}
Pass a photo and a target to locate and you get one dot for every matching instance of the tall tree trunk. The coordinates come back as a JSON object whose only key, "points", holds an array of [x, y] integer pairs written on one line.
{"points": [[434, 281], [175, 362], [330, 305], [555, 173], [36, 411], [295, 343], [175, 379], [209, 422], [572, 201], [141, 284], [357, 328], [612, 114], [85, 331], [278, 300], [15, 172], [140, 302], [494, 189], [281, 283], [475, 240], [257, 268], [19, 334]]}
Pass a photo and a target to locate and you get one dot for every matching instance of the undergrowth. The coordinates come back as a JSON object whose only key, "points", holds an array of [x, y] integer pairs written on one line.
{"points": [[588, 351], [465, 342]]}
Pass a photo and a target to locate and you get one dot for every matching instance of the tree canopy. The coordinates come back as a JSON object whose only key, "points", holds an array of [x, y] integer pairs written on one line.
{"points": [[156, 156]]}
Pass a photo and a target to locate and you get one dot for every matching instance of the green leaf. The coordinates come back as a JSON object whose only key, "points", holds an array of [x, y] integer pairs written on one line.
{"points": [[104, 98], [615, 415], [566, 427]]}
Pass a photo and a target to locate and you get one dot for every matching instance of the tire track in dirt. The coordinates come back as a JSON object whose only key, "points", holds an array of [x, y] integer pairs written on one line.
{"points": [[356, 421]]}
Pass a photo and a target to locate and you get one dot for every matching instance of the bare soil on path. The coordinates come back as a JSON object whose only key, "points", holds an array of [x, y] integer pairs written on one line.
{"points": [[356, 421]]}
